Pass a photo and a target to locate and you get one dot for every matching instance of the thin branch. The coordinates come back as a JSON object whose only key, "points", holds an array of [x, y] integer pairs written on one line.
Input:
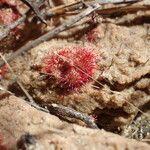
{"points": [[63, 9], [5, 30], [63, 111], [123, 9], [116, 1], [53, 32]]}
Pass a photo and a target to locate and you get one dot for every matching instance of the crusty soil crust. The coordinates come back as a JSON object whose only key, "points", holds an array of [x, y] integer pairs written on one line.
{"points": [[123, 69]]}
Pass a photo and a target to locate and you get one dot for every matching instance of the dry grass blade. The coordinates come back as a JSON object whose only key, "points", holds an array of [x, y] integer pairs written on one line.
{"points": [[17, 80]]}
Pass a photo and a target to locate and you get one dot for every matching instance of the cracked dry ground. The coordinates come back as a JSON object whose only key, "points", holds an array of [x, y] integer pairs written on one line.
{"points": [[124, 71]]}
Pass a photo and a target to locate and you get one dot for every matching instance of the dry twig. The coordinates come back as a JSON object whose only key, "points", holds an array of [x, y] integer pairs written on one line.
{"points": [[115, 1], [123, 9], [63, 111], [64, 9], [5, 30]]}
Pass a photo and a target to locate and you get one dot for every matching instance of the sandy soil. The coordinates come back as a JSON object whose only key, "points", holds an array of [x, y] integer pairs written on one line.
{"points": [[24, 127], [118, 93]]}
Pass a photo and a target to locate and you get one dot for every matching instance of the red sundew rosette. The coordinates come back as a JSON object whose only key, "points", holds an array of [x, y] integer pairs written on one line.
{"points": [[72, 68]]}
